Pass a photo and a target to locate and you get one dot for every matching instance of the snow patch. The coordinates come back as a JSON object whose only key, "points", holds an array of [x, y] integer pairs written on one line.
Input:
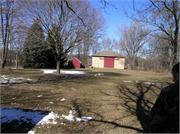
{"points": [[37, 117], [5, 79], [14, 98], [46, 120], [127, 81], [83, 118], [10, 114], [73, 89], [153, 83], [72, 72], [31, 132], [98, 74], [47, 71], [71, 117], [63, 99], [21, 115]]}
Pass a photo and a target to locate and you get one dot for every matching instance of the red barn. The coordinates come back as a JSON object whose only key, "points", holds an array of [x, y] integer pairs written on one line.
{"points": [[74, 63]]}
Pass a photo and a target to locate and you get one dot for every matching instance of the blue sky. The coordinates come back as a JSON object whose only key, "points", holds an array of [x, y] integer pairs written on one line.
{"points": [[114, 17]]}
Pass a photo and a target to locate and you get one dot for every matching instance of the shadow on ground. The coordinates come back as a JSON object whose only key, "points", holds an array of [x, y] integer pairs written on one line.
{"points": [[141, 104], [16, 120], [134, 102], [114, 74]]}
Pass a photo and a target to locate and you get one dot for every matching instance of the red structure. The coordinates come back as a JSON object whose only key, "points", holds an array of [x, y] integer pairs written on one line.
{"points": [[108, 62], [74, 63]]}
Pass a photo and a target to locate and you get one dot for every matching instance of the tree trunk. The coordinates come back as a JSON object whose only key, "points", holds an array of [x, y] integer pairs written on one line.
{"points": [[10, 55], [132, 63], [175, 54], [58, 67], [4, 56], [4, 34], [176, 33], [3, 63], [78, 53], [17, 60]]}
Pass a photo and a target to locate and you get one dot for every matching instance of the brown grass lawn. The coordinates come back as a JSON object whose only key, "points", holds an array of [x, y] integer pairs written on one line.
{"points": [[115, 106]]}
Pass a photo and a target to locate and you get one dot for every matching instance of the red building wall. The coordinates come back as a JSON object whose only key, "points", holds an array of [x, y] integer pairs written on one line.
{"points": [[74, 63], [108, 62]]}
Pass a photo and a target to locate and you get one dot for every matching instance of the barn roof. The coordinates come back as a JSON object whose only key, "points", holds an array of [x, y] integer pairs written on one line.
{"points": [[76, 59], [108, 54]]}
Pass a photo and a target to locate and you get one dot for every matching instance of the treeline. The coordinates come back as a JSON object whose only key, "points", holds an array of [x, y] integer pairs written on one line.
{"points": [[151, 41], [44, 32]]}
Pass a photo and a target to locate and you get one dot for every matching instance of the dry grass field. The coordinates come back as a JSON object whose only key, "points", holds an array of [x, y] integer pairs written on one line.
{"points": [[117, 101]]}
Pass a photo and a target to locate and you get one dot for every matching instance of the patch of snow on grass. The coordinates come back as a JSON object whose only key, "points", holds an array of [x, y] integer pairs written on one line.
{"points": [[46, 120], [36, 117], [38, 89], [5, 79], [48, 71], [98, 74], [21, 78], [153, 83], [149, 83], [29, 79], [73, 89], [8, 115], [31, 132], [127, 81], [83, 118], [71, 117], [63, 99], [72, 72]]}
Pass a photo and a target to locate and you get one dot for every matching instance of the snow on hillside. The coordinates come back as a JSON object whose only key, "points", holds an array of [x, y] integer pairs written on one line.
{"points": [[47, 71], [35, 117]]}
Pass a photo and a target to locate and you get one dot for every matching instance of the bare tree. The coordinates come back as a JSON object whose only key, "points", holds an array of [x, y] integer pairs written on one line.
{"points": [[159, 54], [108, 43], [10, 26], [132, 39], [63, 26], [6, 12], [58, 23], [18, 45], [96, 45], [163, 16], [97, 24]]}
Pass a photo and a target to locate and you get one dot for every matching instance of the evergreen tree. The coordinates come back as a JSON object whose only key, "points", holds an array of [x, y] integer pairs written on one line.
{"points": [[50, 61], [34, 49]]}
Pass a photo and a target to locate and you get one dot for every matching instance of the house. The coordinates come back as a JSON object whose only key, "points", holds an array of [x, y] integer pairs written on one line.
{"points": [[74, 63], [108, 59]]}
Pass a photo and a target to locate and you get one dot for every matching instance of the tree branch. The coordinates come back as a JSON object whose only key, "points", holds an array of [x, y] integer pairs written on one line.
{"points": [[67, 4]]}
